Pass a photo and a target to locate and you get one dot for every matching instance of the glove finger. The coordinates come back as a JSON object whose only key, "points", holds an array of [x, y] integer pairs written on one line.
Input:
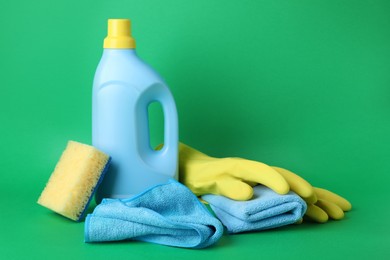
{"points": [[333, 211], [258, 172], [234, 188], [316, 214], [298, 185], [324, 194]]}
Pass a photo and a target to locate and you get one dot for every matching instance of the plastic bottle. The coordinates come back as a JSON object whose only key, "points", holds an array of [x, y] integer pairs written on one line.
{"points": [[123, 88]]}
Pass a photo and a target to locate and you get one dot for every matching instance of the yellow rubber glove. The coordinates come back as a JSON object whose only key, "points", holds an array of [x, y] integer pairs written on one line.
{"points": [[321, 204], [328, 205], [230, 177], [234, 178]]}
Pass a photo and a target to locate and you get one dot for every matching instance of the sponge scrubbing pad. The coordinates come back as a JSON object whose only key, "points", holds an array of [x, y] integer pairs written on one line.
{"points": [[72, 184]]}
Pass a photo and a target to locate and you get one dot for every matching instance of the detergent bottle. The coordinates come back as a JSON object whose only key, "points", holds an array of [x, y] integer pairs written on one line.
{"points": [[124, 86]]}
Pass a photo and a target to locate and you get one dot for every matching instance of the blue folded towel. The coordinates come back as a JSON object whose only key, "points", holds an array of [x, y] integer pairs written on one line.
{"points": [[168, 214], [265, 210]]}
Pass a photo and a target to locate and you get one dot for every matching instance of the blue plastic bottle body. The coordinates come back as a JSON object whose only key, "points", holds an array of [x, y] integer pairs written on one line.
{"points": [[123, 88]]}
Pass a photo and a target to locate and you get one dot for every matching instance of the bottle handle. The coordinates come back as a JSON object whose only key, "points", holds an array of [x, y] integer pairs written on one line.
{"points": [[166, 157]]}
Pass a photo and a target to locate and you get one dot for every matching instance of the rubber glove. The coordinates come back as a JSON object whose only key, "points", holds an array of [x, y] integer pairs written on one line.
{"points": [[321, 204], [235, 177], [230, 177]]}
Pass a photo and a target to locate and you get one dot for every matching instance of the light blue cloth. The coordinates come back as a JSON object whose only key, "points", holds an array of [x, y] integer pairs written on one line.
{"points": [[168, 214], [265, 210]]}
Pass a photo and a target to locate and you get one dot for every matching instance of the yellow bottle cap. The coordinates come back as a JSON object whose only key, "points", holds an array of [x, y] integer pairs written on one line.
{"points": [[119, 35]]}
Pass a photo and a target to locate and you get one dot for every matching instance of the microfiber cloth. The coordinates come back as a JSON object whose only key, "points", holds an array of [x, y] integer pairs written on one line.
{"points": [[265, 210], [168, 214]]}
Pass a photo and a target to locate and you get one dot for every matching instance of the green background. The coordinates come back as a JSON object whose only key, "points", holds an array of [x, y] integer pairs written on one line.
{"points": [[300, 84]]}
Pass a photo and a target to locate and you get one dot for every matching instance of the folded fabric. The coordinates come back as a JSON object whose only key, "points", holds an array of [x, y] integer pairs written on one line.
{"points": [[167, 214], [265, 210]]}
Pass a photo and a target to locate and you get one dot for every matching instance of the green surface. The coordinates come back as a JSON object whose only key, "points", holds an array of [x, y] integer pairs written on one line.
{"points": [[299, 84]]}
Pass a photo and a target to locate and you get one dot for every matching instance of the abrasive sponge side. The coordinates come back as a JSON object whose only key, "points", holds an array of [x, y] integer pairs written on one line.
{"points": [[74, 180]]}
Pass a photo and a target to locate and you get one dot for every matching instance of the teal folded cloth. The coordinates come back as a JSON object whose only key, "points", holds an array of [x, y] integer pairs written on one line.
{"points": [[168, 214], [265, 210]]}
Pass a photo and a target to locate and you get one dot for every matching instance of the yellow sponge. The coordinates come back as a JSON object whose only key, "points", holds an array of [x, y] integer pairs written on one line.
{"points": [[72, 184]]}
